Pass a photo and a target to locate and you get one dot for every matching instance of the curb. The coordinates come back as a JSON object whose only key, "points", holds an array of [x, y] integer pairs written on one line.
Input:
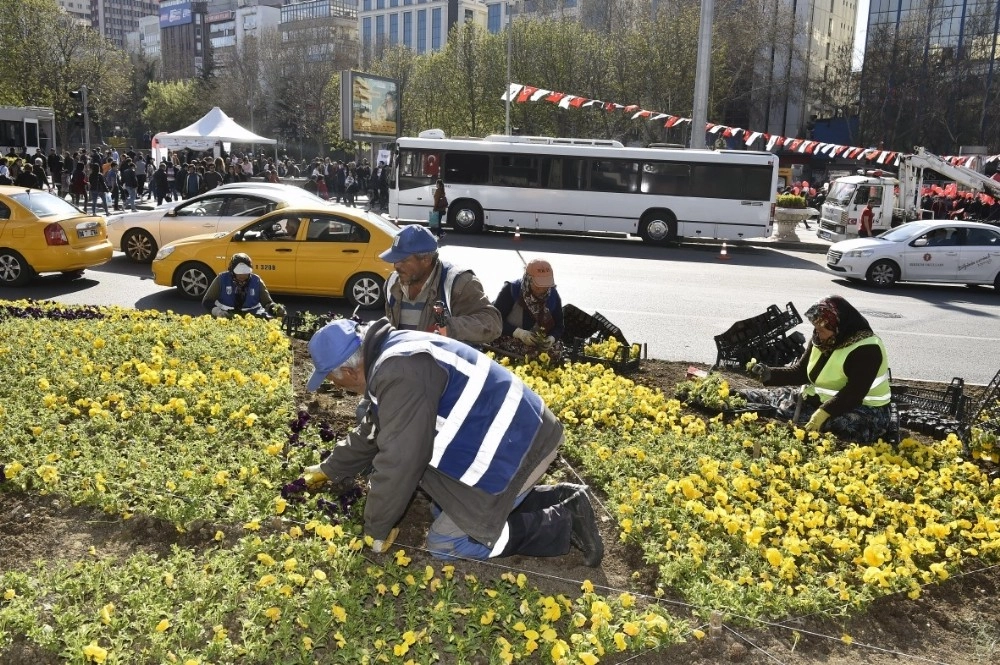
{"points": [[765, 243]]}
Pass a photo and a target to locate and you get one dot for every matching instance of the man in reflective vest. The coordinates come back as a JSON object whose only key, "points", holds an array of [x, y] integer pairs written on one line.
{"points": [[844, 373], [443, 417], [240, 291], [422, 280]]}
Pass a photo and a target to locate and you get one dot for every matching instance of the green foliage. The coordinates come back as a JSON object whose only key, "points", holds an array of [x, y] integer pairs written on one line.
{"points": [[173, 104], [791, 201], [58, 56]]}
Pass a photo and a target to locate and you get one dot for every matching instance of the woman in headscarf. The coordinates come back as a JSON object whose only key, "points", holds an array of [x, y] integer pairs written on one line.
{"points": [[844, 374], [531, 310]]}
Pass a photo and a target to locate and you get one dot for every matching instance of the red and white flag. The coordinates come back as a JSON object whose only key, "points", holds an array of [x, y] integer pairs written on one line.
{"points": [[511, 92]]}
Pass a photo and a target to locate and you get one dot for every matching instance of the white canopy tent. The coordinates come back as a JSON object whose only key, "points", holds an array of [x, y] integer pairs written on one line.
{"points": [[213, 128]]}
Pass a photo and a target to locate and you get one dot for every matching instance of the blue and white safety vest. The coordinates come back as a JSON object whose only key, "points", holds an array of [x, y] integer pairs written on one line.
{"points": [[227, 293], [486, 418]]}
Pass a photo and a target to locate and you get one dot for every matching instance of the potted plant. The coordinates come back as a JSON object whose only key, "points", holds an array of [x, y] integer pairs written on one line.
{"points": [[790, 209]]}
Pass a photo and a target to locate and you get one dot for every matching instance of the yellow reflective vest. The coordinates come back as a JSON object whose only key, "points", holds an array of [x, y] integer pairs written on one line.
{"points": [[832, 379]]}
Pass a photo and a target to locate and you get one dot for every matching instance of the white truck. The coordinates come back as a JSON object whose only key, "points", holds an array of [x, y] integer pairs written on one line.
{"points": [[894, 199]]}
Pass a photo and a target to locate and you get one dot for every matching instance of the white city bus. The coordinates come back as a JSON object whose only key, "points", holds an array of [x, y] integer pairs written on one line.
{"points": [[26, 129], [582, 186]]}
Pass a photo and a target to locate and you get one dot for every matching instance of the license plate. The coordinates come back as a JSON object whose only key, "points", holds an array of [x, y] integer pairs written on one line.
{"points": [[86, 233], [825, 235]]}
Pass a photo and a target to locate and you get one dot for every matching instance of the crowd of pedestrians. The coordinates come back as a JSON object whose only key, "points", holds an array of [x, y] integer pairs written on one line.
{"points": [[120, 180]]}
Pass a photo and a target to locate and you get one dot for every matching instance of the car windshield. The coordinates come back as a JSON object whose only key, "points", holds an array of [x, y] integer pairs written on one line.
{"points": [[903, 233], [44, 204], [841, 193]]}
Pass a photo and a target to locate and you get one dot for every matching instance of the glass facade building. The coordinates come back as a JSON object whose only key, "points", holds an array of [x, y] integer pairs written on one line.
{"points": [[390, 22]]}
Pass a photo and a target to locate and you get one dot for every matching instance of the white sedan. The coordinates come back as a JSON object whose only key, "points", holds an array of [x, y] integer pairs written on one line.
{"points": [[924, 251], [141, 234]]}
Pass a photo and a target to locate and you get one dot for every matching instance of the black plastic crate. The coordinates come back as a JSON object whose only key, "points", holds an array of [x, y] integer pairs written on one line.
{"points": [[986, 412], [577, 324], [763, 337], [950, 401]]}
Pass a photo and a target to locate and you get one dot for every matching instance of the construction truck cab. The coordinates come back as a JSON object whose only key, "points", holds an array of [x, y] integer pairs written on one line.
{"points": [[894, 199], [849, 195]]}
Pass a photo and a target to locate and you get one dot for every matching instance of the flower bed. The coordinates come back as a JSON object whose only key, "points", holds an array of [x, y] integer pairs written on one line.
{"points": [[189, 420]]}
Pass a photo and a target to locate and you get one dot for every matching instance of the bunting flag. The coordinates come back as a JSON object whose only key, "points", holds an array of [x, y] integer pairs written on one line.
{"points": [[526, 93], [512, 91]]}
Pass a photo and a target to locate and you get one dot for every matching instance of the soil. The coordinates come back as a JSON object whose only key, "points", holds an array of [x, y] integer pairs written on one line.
{"points": [[957, 622]]}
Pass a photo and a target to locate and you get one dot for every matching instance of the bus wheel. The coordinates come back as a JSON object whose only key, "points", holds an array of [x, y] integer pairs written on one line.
{"points": [[658, 228], [466, 217]]}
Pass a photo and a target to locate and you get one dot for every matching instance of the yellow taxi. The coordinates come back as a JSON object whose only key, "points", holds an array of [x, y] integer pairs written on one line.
{"points": [[315, 251], [40, 233]]}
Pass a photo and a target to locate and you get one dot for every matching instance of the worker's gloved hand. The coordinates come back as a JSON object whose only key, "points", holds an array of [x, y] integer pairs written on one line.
{"points": [[759, 370], [524, 336], [276, 310], [546, 343], [314, 477], [380, 546], [815, 423]]}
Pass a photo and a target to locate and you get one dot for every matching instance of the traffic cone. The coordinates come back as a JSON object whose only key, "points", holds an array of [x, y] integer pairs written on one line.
{"points": [[517, 233], [723, 253]]}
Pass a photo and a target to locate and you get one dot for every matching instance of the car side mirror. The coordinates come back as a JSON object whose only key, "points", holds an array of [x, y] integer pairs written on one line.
{"points": [[171, 213], [920, 242]]}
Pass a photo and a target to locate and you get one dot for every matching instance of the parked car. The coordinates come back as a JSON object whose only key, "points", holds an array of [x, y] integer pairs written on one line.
{"points": [[923, 251], [41, 233], [304, 250], [141, 234]]}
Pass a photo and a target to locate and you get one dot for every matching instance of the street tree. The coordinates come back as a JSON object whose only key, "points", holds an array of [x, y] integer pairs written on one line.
{"points": [[171, 105]]}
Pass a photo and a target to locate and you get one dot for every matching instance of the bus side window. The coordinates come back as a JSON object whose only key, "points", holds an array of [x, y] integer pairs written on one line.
{"points": [[613, 175], [466, 167], [516, 171], [408, 161], [665, 179]]}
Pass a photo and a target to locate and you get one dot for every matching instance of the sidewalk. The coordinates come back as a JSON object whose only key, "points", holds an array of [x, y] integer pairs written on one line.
{"points": [[807, 241]]}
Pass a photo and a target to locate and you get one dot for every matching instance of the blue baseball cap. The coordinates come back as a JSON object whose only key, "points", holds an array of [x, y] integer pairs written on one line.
{"points": [[330, 348], [413, 239]]}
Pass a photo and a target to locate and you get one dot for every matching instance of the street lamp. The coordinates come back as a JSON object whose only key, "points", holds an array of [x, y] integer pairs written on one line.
{"points": [[509, 8]]}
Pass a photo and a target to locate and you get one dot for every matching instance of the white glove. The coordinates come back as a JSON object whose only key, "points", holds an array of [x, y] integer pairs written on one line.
{"points": [[547, 342], [221, 313], [379, 546], [759, 370], [524, 336], [314, 476]]}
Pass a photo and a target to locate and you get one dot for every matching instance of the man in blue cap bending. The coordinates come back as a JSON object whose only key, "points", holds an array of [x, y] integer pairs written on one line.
{"points": [[422, 281], [442, 417]]}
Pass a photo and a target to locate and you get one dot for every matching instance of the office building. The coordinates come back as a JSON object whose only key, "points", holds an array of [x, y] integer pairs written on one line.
{"points": [[116, 18], [421, 25], [787, 74]]}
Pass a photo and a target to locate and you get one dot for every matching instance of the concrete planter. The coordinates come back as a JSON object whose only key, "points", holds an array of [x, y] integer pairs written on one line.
{"points": [[786, 219]]}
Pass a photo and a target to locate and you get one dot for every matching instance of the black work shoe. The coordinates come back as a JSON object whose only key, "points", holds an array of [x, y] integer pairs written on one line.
{"points": [[585, 535]]}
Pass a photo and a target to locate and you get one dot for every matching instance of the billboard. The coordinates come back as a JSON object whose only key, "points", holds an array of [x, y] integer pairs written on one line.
{"points": [[175, 14], [369, 107]]}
